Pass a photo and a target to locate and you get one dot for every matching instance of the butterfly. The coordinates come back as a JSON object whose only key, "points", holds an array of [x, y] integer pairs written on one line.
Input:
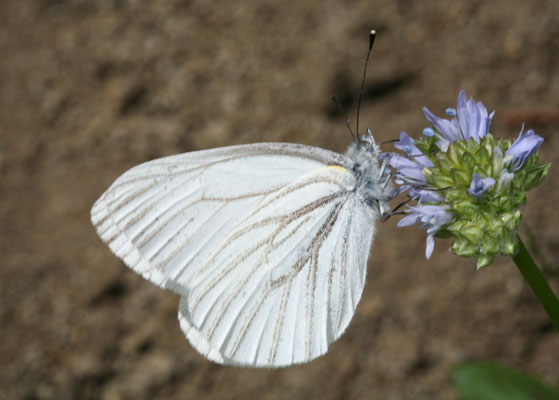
{"points": [[266, 244]]}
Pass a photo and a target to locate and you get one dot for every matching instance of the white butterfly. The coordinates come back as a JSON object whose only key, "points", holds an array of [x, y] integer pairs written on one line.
{"points": [[266, 244]]}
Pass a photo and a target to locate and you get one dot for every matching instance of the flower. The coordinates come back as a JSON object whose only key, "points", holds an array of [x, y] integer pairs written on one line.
{"points": [[467, 184], [410, 169], [433, 218], [480, 186], [425, 195], [523, 148], [470, 121]]}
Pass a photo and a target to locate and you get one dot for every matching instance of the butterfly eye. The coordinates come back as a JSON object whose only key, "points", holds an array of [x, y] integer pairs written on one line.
{"points": [[365, 140]]}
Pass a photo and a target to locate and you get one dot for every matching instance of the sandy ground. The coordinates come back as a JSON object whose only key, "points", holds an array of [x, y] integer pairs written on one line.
{"points": [[89, 89]]}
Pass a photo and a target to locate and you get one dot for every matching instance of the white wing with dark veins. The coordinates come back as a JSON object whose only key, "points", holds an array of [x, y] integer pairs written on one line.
{"points": [[164, 216], [267, 245], [285, 282]]}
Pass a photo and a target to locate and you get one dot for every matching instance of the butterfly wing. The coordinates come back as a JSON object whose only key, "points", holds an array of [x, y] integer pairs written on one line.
{"points": [[285, 282], [163, 216], [267, 245]]}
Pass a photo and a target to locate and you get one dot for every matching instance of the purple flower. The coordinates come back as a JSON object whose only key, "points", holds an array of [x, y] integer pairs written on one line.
{"points": [[473, 118], [425, 195], [480, 186], [409, 169], [446, 130], [432, 217], [406, 144], [523, 148], [470, 121]]}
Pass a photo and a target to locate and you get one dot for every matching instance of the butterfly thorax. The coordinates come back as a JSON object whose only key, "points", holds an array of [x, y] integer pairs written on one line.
{"points": [[373, 180]]}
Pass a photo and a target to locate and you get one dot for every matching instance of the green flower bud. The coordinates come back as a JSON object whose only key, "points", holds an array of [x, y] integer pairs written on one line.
{"points": [[464, 248], [484, 261], [536, 176]]}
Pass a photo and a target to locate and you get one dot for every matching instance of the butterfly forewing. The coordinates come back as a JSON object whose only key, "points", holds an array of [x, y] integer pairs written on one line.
{"points": [[165, 216]]}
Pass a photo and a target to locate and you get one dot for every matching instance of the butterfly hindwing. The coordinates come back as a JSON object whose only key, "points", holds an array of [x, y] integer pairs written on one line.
{"points": [[285, 282]]}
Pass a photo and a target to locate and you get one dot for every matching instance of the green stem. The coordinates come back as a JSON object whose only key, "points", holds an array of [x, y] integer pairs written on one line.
{"points": [[537, 282]]}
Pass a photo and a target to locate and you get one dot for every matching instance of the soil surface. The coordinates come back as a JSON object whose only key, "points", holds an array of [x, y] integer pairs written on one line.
{"points": [[90, 89]]}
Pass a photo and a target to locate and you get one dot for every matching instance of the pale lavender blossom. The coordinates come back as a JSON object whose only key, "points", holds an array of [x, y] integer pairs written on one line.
{"points": [[480, 186], [410, 168], [425, 195], [523, 148], [446, 130], [432, 217], [472, 117], [470, 121]]}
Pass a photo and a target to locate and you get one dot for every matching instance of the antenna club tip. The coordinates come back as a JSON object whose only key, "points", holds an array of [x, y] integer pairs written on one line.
{"points": [[372, 39]]}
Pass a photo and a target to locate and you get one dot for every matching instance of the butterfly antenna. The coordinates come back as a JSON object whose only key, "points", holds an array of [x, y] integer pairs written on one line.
{"points": [[340, 107], [372, 36]]}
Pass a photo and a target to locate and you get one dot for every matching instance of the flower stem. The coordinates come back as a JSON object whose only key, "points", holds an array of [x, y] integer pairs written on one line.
{"points": [[537, 282]]}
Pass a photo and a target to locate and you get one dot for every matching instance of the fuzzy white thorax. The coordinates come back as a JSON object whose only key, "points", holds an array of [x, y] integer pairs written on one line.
{"points": [[374, 185]]}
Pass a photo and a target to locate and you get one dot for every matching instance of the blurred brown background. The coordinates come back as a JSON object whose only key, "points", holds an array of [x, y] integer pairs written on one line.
{"points": [[89, 89]]}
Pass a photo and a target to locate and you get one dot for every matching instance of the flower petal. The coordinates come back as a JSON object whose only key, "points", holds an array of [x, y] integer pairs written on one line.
{"points": [[448, 129], [408, 168], [407, 145], [480, 186], [429, 209], [430, 245], [409, 220], [473, 119], [523, 148], [425, 195]]}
